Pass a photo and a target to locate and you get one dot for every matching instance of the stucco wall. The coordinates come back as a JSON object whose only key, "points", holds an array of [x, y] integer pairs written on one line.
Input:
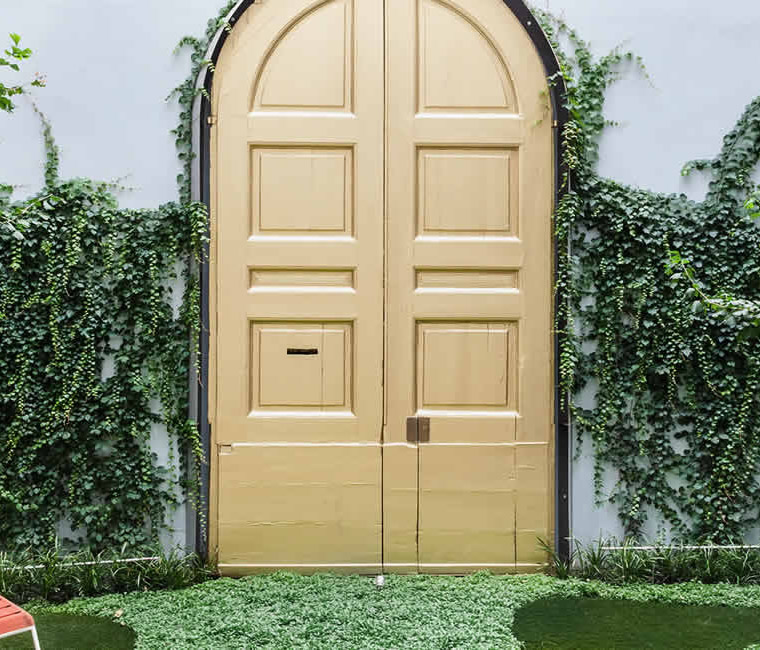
{"points": [[109, 66]]}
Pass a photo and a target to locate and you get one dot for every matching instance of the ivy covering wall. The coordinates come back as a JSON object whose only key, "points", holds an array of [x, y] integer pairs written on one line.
{"points": [[83, 281], [95, 348], [675, 426], [95, 351]]}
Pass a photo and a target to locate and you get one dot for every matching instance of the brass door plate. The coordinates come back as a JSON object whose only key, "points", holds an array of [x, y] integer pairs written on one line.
{"points": [[417, 429], [423, 429], [411, 430]]}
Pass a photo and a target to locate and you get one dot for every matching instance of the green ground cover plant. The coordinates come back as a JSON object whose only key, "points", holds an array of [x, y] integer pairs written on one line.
{"points": [[410, 612]]}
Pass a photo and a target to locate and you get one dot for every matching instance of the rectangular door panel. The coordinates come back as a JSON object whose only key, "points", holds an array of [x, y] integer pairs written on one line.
{"points": [[467, 507], [311, 507]]}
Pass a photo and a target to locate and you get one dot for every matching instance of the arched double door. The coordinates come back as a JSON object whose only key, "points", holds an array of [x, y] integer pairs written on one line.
{"points": [[381, 349]]}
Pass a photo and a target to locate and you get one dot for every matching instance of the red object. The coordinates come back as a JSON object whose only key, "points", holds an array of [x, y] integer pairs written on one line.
{"points": [[14, 620]]}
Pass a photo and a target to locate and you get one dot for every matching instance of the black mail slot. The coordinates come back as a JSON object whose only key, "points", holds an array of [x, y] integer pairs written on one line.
{"points": [[303, 351]]}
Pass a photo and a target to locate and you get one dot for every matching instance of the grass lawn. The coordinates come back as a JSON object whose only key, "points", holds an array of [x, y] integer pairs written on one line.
{"points": [[288, 611], [67, 632], [603, 623]]}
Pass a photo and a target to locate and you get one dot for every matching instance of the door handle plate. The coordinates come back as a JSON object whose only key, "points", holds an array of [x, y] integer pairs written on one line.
{"points": [[423, 429], [411, 430], [417, 430]]}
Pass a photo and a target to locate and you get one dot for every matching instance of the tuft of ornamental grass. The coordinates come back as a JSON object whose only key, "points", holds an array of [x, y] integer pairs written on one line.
{"points": [[56, 576], [629, 561]]}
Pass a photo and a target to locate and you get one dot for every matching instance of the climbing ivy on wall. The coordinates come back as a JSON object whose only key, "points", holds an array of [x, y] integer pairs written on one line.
{"points": [[675, 425], [95, 350], [187, 92], [93, 354]]}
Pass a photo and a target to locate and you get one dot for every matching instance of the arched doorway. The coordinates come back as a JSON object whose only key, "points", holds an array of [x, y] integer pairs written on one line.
{"points": [[381, 379]]}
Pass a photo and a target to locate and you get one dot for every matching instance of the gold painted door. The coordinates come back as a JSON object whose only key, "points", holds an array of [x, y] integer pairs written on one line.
{"points": [[297, 267], [469, 198], [381, 266]]}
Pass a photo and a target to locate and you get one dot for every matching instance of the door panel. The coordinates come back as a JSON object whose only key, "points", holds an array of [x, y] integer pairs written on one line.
{"points": [[457, 68], [469, 187], [299, 507], [298, 272], [467, 503]]}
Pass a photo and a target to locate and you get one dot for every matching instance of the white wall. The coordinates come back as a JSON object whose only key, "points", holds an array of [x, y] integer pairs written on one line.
{"points": [[109, 66]]}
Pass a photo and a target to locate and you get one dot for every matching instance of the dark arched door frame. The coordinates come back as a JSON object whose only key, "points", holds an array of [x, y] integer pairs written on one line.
{"points": [[557, 92]]}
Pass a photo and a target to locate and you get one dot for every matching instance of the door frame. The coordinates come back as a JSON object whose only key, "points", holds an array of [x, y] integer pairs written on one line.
{"points": [[201, 191]]}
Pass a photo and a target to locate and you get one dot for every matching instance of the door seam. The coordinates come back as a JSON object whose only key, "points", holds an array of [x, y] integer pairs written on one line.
{"points": [[383, 355]]}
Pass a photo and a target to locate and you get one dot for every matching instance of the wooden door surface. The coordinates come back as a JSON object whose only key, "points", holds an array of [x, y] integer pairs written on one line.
{"points": [[469, 346], [381, 353], [298, 279]]}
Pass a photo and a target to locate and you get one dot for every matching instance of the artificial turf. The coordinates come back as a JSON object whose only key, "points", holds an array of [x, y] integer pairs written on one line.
{"points": [[72, 632], [575, 623], [323, 611]]}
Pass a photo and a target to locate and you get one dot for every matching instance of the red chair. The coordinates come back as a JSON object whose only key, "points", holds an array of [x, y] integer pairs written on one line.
{"points": [[14, 620]]}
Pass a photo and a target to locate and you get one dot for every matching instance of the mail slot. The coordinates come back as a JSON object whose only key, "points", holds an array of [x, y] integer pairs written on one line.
{"points": [[301, 365]]}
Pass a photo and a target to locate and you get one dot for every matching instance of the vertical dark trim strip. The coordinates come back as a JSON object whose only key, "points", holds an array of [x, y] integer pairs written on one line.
{"points": [[561, 407], [204, 158], [562, 457], [202, 516]]}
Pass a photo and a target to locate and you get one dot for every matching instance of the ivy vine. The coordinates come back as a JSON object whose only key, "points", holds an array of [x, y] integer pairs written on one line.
{"points": [[187, 92], [85, 285], [11, 58], [93, 354], [677, 399]]}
